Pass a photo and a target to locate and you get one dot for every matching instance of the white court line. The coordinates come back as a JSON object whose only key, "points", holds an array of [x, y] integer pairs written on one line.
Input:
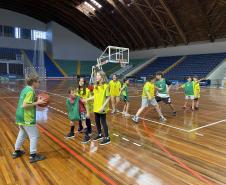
{"points": [[53, 93], [94, 125], [137, 144], [163, 124], [211, 124], [199, 134], [134, 96], [125, 139]]}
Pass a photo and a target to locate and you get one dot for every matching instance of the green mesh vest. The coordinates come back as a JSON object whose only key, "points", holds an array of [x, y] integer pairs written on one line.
{"points": [[73, 109], [26, 117], [162, 85]]}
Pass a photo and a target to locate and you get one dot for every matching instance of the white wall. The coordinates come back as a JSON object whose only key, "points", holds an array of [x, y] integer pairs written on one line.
{"points": [[219, 73], [11, 18], [69, 46], [61, 43], [8, 42], [193, 48]]}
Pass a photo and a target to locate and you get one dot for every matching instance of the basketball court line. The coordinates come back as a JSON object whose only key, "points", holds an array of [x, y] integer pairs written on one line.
{"points": [[174, 158], [163, 148], [208, 125], [58, 110], [169, 154], [123, 138], [163, 124], [74, 153]]}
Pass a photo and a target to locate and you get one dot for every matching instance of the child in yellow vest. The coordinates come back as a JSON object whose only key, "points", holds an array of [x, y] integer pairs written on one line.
{"points": [[148, 98], [101, 98], [85, 93], [115, 87], [197, 91]]}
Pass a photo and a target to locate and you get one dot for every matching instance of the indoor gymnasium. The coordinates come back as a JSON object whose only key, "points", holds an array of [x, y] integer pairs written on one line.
{"points": [[115, 92]]}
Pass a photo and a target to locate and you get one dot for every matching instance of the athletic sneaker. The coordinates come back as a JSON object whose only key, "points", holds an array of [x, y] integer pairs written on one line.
{"points": [[162, 119], [98, 137], [113, 111], [123, 113], [70, 135], [17, 153], [105, 141], [86, 139], [36, 157], [174, 113], [135, 119]]}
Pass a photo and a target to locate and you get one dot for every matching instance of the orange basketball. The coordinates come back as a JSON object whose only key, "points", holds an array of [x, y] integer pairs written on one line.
{"points": [[43, 96]]}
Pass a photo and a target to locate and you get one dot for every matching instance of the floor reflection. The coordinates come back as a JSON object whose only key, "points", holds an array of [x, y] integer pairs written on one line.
{"points": [[121, 165]]}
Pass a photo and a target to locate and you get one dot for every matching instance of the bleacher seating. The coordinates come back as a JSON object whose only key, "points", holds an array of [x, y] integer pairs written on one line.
{"points": [[137, 62], [160, 64], [10, 53], [68, 66], [200, 65], [86, 67], [51, 69]]}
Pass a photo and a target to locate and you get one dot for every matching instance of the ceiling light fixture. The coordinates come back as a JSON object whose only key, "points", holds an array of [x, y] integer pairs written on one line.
{"points": [[98, 5]]}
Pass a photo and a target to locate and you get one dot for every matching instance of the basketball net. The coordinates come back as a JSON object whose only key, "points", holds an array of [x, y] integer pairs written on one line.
{"points": [[122, 63]]}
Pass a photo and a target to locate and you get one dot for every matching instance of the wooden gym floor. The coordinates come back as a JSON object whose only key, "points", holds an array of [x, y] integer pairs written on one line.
{"points": [[188, 149]]}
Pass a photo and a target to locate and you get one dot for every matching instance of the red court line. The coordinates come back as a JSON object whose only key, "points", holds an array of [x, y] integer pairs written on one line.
{"points": [[76, 155], [163, 148]]}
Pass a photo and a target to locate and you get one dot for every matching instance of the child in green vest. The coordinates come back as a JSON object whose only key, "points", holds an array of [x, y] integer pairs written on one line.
{"points": [[189, 92], [76, 112], [125, 97], [163, 88], [148, 98], [26, 119]]}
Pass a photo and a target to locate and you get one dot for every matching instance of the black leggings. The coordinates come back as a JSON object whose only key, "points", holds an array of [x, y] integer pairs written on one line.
{"points": [[101, 120]]}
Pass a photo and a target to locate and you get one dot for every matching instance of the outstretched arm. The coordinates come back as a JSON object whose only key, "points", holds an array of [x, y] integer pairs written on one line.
{"points": [[89, 99]]}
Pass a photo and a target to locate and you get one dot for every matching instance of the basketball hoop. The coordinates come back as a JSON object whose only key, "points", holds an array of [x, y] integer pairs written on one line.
{"points": [[114, 55]]}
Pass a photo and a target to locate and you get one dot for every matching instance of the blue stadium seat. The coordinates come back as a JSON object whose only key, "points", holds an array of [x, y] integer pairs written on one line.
{"points": [[51, 69], [160, 64], [200, 65], [9, 53]]}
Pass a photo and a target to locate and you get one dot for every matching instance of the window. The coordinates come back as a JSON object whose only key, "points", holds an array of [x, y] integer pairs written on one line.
{"points": [[17, 33], [25, 33], [1, 30], [35, 34], [9, 31], [22, 33]]}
